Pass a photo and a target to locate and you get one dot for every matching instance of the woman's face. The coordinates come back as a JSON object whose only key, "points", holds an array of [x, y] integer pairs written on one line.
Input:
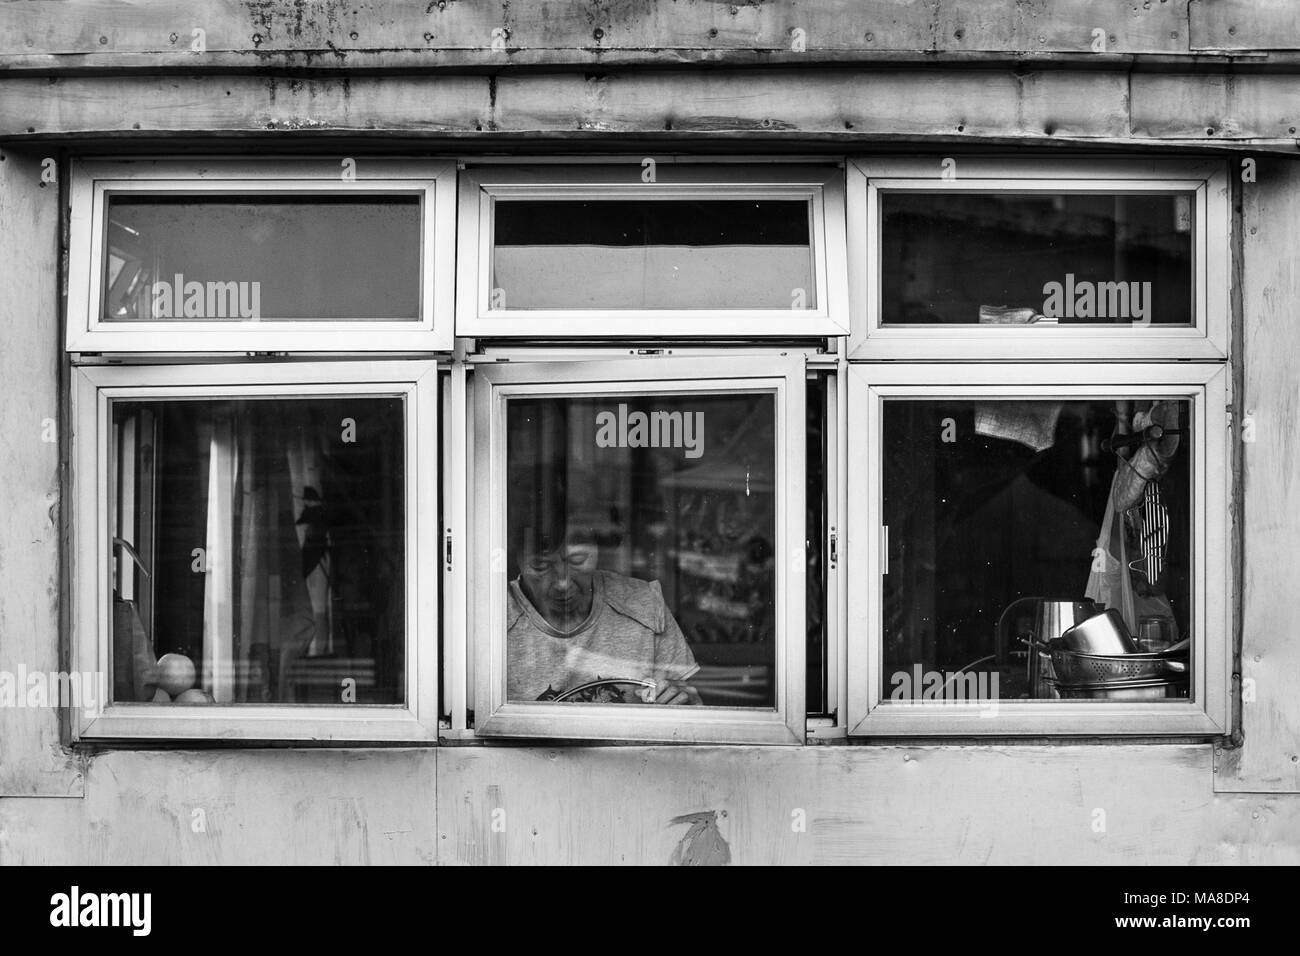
{"points": [[558, 583]]}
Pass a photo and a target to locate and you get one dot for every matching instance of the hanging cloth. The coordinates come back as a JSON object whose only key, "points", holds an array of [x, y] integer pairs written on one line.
{"points": [[1111, 584], [135, 668]]}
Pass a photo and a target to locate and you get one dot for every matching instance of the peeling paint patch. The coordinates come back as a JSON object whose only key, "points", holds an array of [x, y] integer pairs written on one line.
{"points": [[703, 844]]}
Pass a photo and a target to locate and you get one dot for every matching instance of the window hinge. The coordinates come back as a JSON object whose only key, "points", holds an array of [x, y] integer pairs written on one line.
{"points": [[884, 549], [447, 549], [834, 549]]}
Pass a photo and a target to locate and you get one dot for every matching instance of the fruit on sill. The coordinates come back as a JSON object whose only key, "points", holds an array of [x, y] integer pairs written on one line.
{"points": [[176, 673]]}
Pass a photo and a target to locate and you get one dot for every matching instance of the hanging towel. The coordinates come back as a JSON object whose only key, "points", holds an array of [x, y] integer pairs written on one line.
{"points": [[135, 668]]}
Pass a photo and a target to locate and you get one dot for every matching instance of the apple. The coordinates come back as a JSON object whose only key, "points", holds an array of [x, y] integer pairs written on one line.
{"points": [[175, 673], [161, 696], [193, 696]]}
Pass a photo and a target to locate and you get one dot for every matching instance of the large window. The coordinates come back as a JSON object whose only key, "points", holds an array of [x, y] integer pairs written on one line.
{"points": [[993, 513], [1038, 548], [719, 451], [640, 536], [255, 550], [987, 503]]}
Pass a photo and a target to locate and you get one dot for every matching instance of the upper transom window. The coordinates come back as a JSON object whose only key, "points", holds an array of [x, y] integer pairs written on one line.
{"points": [[226, 256], [652, 249], [980, 258]]}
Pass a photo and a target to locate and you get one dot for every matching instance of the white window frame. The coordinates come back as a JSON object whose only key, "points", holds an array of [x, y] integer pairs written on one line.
{"points": [[1207, 338], [494, 715], [822, 185], [834, 549], [1206, 712], [93, 387], [94, 181]]}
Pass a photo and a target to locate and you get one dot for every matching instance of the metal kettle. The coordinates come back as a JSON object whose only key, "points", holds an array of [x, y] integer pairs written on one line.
{"points": [[1052, 618]]}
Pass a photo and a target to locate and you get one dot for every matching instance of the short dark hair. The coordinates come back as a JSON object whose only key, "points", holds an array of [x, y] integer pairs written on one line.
{"points": [[539, 538], [540, 518]]}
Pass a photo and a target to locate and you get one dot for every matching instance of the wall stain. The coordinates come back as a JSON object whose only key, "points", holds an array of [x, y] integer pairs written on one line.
{"points": [[703, 844]]}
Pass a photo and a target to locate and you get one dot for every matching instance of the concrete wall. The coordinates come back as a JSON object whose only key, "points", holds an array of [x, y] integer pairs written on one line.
{"points": [[618, 805], [1000, 803]]}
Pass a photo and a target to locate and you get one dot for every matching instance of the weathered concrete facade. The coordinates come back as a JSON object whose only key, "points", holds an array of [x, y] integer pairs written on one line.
{"points": [[832, 77]]}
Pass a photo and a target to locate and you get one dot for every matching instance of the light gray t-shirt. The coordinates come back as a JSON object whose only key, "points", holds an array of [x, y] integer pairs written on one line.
{"points": [[629, 633]]}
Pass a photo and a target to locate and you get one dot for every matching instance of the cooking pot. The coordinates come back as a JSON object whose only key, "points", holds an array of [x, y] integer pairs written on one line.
{"points": [[1105, 633], [1052, 617]]}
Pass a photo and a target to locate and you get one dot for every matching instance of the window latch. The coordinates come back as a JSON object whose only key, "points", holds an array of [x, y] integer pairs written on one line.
{"points": [[834, 549], [447, 549]]}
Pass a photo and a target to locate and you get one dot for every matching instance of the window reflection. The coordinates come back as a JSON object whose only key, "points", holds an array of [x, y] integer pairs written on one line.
{"points": [[994, 506], [1036, 258], [260, 551], [641, 564], [252, 258], [653, 254]]}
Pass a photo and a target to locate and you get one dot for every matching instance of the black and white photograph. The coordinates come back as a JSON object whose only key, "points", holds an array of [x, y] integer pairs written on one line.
{"points": [[651, 433]]}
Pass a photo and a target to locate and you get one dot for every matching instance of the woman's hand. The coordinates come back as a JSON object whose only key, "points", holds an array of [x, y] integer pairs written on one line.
{"points": [[675, 692]]}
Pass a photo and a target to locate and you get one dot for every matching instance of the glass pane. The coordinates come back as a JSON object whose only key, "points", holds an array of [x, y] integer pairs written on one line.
{"points": [[641, 549], [815, 546], [653, 254], [276, 258], [260, 551], [995, 508], [1019, 258]]}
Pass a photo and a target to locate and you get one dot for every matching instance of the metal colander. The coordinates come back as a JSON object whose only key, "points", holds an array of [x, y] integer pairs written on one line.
{"points": [[1071, 667]]}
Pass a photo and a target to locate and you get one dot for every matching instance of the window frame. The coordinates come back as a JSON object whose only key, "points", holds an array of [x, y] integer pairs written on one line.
{"points": [[821, 184], [494, 715], [93, 388], [1206, 339], [1206, 712], [453, 545], [94, 181]]}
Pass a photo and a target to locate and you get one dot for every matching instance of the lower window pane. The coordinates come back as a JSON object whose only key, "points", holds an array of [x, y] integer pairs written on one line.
{"points": [[641, 549], [1009, 521], [259, 551]]}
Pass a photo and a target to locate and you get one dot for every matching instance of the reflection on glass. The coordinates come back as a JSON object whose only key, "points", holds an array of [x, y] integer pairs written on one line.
{"points": [[641, 558], [251, 258], [817, 528], [1035, 258], [259, 551], [652, 254], [994, 507]]}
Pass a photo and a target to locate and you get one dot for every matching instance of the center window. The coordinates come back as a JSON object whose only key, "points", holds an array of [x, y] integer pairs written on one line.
{"points": [[641, 539]]}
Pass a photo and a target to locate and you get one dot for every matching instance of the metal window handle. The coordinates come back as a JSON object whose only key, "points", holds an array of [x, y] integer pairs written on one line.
{"points": [[884, 549]]}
